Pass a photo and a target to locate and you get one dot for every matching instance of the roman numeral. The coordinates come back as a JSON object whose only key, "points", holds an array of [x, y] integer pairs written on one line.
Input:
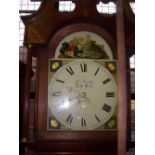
{"points": [[83, 67], [106, 107], [83, 122], [57, 93], [69, 118], [97, 71], [106, 80], [97, 118], [70, 71], [109, 94], [61, 81]]}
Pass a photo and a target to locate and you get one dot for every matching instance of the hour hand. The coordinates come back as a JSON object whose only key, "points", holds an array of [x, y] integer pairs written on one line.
{"points": [[84, 99], [73, 98]]}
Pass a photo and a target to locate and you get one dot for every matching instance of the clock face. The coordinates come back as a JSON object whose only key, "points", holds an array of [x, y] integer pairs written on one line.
{"points": [[82, 94]]}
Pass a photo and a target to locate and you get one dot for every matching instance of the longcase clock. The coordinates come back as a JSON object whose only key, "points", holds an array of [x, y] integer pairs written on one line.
{"points": [[78, 96]]}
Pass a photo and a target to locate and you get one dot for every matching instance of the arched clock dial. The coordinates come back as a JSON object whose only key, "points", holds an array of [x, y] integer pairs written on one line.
{"points": [[82, 94]]}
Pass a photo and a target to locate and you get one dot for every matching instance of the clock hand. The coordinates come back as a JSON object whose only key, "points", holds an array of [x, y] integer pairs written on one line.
{"points": [[85, 98], [81, 98], [74, 98], [88, 100]]}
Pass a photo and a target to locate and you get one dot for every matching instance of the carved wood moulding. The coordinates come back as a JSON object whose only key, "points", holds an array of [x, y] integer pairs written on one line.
{"points": [[40, 26]]}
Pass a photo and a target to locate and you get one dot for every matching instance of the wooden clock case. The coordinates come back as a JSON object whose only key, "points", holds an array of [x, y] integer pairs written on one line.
{"points": [[42, 83], [44, 30]]}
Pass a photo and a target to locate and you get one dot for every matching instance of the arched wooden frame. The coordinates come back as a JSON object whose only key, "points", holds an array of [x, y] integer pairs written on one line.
{"points": [[60, 34], [41, 132]]}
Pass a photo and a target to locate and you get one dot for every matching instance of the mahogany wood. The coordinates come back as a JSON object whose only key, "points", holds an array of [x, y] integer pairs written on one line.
{"points": [[104, 140], [22, 67], [71, 147], [25, 104], [47, 27], [122, 84], [128, 133], [41, 115], [42, 24]]}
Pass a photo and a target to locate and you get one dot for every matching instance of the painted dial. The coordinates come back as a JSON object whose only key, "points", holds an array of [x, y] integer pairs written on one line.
{"points": [[82, 95]]}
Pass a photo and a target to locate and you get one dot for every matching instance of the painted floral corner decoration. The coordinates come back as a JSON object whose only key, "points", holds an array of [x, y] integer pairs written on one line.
{"points": [[82, 47]]}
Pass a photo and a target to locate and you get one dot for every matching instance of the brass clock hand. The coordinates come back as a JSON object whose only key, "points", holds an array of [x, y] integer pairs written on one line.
{"points": [[84, 98]]}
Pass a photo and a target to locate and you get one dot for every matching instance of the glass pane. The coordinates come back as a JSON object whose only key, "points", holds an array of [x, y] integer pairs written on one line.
{"points": [[31, 7], [61, 8], [112, 10], [62, 3], [132, 61], [99, 8], [21, 31], [73, 6], [132, 5], [66, 6], [108, 8], [68, 3], [111, 4], [28, 5], [24, 7], [20, 42]]}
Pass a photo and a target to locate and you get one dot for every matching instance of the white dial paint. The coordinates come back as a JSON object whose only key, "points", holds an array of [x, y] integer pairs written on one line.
{"points": [[82, 95]]}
